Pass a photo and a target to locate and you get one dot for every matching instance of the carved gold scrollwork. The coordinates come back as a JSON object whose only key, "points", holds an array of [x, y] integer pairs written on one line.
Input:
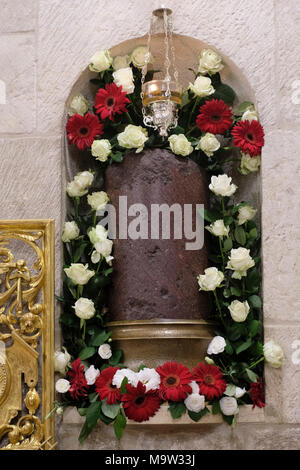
{"points": [[27, 331]]}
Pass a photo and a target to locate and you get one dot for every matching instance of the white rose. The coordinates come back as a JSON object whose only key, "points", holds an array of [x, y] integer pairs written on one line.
{"points": [[240, 392], [140, 57], [180, 145], [70, 232], [74, 189], [121, 62], [84, 308], [239, 311], [98, 200], [202, 87], [104, 247], [97, 234], [133, 137], [195, 387], [250, 115], [246, 213], [91, 375], [124, 78], [211, 279], [218, 229], [195, 402], [79, 273], [100, 61], [217, 345], [273, 354], [101, 149], [60, 410], [61, 360], [150, 378], [79, 105], [208, 144], [210, 62], [84, 179], [104, 351], [121, 373], [62, 386], [221, 186], [239, 262], [250, 164], [229, 406]]}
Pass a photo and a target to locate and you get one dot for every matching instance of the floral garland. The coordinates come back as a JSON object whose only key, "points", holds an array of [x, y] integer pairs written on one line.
{"points": [[215, 137]]}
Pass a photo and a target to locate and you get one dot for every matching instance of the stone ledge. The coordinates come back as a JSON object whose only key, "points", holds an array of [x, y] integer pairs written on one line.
{"points": [[163, 418]]}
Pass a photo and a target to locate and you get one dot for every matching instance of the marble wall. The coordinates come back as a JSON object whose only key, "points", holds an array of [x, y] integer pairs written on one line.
{"points": [[46, 45]]}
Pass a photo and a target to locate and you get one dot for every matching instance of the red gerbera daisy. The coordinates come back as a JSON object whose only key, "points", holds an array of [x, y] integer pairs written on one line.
{"points": [[249, 137], [82, 130], [210, 380], [175, 381], [257, 394], [78, 381], [215, 117], [104, 386], [138, 404], [110, 101]]}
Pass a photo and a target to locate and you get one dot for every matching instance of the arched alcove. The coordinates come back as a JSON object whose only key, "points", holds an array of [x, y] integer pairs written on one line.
{"points": [[187, 51]]}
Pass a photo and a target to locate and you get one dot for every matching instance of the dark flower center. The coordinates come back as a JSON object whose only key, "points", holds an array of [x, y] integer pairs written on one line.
{"points": [[140, 400], [208, 380], [110, 101], [171, 380], [250, 137], [83, 130], [216, 117]]}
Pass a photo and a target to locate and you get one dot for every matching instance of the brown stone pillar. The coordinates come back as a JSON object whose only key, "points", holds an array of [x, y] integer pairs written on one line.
{"points": [[157, 279]]}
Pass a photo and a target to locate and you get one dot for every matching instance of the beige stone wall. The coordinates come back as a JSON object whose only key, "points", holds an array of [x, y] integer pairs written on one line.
{"points": [[45, 46]]}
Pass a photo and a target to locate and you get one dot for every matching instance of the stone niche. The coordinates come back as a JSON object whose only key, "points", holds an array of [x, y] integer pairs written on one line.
{"points": [[156, 310]]}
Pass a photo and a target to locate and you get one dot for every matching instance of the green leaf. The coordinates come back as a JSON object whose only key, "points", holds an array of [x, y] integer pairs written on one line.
{"points": [[100, 338], [229, 348], [79, 251], [141, 367], [85, 432], [235, 291], [211, 215], [197, 416], [243, 346], [216, 408], [117, 157], [227, 244], [228, 419], [244, 106], [225, 93], [116, 357], [240, 235], [228, 220], [252, 235], [255, 301], [252, 376], [235, 331], [110, 411], [123, 388], [82, 411], [87, 352], [176, 409], [254, 328], [93, 397], [119, 424], [93, 414]]}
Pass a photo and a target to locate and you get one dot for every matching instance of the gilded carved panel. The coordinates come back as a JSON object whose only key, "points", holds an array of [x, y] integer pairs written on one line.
{"points": [[26, 334]]}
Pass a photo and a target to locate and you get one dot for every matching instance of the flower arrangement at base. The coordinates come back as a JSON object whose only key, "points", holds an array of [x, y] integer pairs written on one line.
{"points": [[214, 133]]}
